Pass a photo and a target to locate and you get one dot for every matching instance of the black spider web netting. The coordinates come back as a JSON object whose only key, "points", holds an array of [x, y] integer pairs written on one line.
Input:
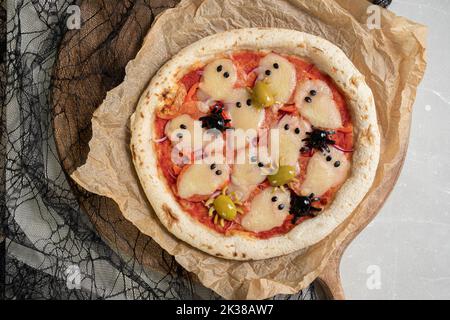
{"points": [[49, 248]]}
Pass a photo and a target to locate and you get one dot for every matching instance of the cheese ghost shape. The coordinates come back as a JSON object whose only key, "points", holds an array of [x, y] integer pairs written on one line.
{"points": [[218, 79], [279, 74], [314, 100], [247, 172], [292, 130], [202, 179], [325, 171], [244, 115], [180, 132], [268, 210]]}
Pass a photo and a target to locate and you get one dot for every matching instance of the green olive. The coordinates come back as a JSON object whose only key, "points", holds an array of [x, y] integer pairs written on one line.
{"points": [[262, 95], [225, 207], [283, 176]]}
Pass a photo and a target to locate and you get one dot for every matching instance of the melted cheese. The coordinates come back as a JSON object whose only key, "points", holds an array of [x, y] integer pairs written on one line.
{"points": [[204, 106], [202, 179], [282, 80], [214, 83], [243, 116], [321, 174], [180, 131], [322, 111], [246, 175], [264, 214], [290, 141]]}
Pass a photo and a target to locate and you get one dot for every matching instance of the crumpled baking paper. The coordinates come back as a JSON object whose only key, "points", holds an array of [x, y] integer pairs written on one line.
{"points": [[392, 58]]}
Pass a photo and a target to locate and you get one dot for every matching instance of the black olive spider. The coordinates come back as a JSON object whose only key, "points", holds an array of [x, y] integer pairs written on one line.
{"points": [[302, 206], [318, 139], [216, 120]]}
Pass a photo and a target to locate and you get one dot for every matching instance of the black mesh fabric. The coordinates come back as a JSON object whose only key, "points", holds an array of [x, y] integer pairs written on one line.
{"points": [[46, 239], [47, 234]]}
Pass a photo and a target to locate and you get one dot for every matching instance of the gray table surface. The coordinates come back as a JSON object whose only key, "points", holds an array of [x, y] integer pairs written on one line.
{"points": [[405, 252]]}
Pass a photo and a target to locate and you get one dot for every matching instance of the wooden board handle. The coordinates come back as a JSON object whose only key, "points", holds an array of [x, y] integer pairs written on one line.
{"points": [[330, 281]]}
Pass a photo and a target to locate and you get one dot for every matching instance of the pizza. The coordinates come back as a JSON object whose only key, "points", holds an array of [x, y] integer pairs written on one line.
{"points": [[255, 143]]}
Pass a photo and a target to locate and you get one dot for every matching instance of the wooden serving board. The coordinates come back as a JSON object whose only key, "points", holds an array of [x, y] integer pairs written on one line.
{"points": [[91, 61]]}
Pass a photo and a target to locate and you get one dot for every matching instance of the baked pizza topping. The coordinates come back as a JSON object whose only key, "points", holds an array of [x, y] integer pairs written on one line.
{"points": [[181, 130], [302, 206], [224, 207], [314, 100], [280, 76], [318, 139], [268, 210], [218, 79], [246, 174], [243, 113], [262, 95], [283, 176], [325, 171], [215, 119], [265, 195], [292, 132], [211, 175]]}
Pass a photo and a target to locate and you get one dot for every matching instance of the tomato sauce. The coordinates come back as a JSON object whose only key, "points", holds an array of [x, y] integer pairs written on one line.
{"points": [[191, 78], [284, 228], [246, 62]]}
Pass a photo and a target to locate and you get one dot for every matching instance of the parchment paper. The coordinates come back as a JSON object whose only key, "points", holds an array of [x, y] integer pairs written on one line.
{"points": [[391, 58]]}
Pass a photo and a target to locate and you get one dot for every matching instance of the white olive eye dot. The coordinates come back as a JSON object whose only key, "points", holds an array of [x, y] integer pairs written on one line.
{"points": [[297, 130], [219, 68], [226, 74], [238, 104], [313, 92], [286, 126], [179, 135], [281, 206], [268, 72], [260, 164], [276, 65], [213, 166], [249, 102], [183, 126], [219, 172], [274, 199]]}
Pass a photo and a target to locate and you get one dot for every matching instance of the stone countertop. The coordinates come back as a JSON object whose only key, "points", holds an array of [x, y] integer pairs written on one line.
{"points": [[405, 252]]}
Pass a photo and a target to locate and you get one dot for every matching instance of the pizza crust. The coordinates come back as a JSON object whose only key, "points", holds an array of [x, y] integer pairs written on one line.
{"points": [[330, 60]]}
